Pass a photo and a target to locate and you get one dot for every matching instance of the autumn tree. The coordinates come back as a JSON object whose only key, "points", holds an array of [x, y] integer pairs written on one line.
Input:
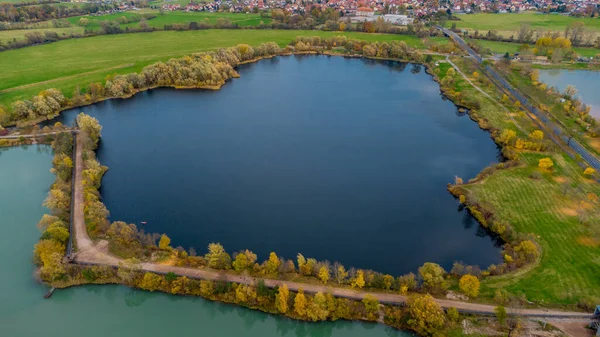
{"points": [[433, 275], [469, 285], [371, 307], [245, 294], [359, 280], [589, 172], [317, 308], [426, 317], [282, 298], [506, 136], [48, 254], [339, 273], [406, 282], [164, 242], [151, 282], [527, 251], [300, 303], [217, 257], [324, 274], [244, 260], [272, 264], [546, 164], [90, 126]]}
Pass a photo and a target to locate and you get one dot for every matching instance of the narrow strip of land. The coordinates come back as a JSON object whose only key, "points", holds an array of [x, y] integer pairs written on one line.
{"points": [[90, 253], [33, 135]]}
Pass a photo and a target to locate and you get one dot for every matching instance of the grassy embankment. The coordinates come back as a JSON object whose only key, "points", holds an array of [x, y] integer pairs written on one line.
{"points": [[508, 24], [537, 203], [67, 64]]}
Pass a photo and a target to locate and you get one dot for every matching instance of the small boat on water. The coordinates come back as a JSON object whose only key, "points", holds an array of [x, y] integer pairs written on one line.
{"points": [[144, 222]]}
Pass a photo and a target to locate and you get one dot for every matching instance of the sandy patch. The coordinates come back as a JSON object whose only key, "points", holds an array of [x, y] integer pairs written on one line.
{"points": [[588, 242], [568, 211], [560, 179]]}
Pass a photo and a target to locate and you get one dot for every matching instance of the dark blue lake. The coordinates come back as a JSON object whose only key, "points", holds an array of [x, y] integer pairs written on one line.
{"points": [[339, 159]]}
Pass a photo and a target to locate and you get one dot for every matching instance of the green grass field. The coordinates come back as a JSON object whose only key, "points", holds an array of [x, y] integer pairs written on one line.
{"points": [[570, 263], [169, 18], [78, 62], [498, 47], [512, 22], [177, 17]]}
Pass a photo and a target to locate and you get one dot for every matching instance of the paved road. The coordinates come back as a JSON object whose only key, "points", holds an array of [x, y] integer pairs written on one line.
{"points": [[89, 253], [33, 135]]}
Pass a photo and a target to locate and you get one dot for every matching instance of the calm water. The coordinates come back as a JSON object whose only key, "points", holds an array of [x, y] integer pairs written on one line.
{"points": [[110, 310], [339, 159], [585, 81]]}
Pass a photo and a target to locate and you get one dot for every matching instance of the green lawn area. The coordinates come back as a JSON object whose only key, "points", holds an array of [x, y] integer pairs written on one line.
{"points": [[570, 263], [176, 17], [512, 21], [77, 62]]}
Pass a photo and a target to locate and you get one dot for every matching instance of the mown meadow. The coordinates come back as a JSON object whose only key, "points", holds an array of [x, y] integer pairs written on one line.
{"points": [[77, 62], [510, 22]]}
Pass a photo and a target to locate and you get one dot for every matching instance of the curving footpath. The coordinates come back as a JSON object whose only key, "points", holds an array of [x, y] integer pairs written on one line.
{"points": [[90, 254]]}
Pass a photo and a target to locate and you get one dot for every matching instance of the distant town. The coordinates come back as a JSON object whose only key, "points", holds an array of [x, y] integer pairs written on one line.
{"points": [[411, 8]]}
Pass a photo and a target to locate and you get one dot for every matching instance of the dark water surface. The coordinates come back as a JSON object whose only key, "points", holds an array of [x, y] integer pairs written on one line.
{"points": [[339, 159], [101, 311]]}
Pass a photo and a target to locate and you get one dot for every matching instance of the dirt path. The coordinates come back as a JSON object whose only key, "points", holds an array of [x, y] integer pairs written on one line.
{"points": [[32, 135], [87, 252]]}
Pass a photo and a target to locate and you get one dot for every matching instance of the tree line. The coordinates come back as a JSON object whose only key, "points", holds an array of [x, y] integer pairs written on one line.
{"points": [[50, 249], [575, 32], [10, 12]]}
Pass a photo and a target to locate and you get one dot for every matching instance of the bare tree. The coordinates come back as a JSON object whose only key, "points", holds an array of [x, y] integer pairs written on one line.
{"points": [[524, 34]]}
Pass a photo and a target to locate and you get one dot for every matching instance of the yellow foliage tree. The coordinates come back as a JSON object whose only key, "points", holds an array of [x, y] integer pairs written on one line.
{"points": [[469, 285], [164, 242], [426, 315], [272, 264], [150, 282], [324, 274], [506, 136], [282, 299], [359, 280], [300, 303], [546, 164], [590, 172]]}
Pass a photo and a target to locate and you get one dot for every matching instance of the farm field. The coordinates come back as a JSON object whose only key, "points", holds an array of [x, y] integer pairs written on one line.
{"points": [[78, 62], [512, 21], [175, 17], [499, 47], [168, 18]]}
